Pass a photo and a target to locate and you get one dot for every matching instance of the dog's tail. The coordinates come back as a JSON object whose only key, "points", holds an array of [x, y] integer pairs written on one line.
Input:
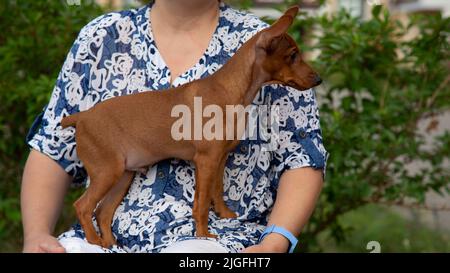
{"points": [[70, 120]]}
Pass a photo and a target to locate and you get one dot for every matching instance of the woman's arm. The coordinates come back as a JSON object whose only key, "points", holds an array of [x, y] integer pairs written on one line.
{"points": [[296, 198], [44, 185]]}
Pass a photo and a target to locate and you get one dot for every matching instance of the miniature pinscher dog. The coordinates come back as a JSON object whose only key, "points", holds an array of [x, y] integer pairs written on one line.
{"points": [[125, 134]]}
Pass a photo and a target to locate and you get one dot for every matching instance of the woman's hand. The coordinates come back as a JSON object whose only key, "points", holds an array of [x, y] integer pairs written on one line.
{"points": [[42, 243], [298, 191], [272, 243]]}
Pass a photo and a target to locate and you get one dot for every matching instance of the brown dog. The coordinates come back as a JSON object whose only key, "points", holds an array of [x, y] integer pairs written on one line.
{"points": [[125, 134]]}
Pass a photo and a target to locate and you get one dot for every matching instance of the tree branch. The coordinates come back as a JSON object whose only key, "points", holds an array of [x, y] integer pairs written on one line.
{"points": [[402, 203], [433, 97]]}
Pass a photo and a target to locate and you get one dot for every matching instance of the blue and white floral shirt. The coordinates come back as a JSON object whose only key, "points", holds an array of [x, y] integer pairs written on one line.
{"points": [[115, 55]]}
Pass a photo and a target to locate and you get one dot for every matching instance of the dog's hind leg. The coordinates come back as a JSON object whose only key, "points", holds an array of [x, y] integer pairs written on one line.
{"points": [[105, 211], [220, 207], [205, 168], [101, 182]]}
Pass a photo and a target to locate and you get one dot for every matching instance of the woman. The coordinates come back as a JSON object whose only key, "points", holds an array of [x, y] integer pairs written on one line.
{"points": [[164, 44]]}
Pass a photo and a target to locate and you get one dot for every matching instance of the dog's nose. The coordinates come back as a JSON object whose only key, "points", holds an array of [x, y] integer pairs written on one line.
{"points": [[317, 80]]}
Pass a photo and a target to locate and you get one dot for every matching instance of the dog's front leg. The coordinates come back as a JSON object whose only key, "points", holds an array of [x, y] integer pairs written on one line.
{"points": [[205, 172], [220, 207]]}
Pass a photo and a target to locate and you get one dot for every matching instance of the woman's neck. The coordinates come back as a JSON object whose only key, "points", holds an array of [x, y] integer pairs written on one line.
{"points": [[184, 15]]}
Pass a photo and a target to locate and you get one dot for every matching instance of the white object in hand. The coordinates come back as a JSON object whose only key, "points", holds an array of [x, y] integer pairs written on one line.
{"points": [[77, 245]]}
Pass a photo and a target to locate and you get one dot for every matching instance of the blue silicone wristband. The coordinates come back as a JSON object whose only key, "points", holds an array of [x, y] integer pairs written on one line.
{"points": [[276, 229]]}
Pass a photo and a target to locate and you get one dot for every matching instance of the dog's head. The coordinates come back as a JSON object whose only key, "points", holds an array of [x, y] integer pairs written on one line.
{"points": [[278, 55]]}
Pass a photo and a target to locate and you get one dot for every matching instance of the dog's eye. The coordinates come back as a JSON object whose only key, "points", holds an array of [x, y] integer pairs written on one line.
{"points": [[293, 56]]}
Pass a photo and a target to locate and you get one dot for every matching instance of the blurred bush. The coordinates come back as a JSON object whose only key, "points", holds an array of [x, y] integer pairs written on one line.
{"points": [[394, 233], [35, 38]]}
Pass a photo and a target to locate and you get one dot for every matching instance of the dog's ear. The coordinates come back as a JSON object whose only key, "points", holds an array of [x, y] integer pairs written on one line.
{"points": [[277, 29], [292, 11]]}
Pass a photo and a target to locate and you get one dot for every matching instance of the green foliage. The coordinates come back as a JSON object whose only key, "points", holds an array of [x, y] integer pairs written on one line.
{"points": [[380, 82], [35, 39], [243, 4], [392, 231]]}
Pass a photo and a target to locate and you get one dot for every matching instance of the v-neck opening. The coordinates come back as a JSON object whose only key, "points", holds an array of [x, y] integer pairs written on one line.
{"points": [[212, 40]]}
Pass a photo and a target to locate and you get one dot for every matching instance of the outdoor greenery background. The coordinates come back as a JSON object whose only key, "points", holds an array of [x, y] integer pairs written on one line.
{"points": [[378, 85]]}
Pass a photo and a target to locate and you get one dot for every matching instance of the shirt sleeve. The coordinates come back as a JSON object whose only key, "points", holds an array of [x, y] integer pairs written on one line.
{"points": [[72, 85], [299, 137]]}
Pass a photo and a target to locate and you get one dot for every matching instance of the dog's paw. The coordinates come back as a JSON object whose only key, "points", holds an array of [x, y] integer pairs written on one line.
{"points": [[210, 235], [108, 243], [205, 235], [227, 213]]}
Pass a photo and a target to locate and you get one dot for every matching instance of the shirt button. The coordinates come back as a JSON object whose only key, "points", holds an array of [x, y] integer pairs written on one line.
{"points": [[302, 134], [244, 149], [161, 174]]}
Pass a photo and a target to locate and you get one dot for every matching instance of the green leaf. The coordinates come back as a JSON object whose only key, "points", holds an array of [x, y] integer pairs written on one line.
{"points": [[376, 10]]}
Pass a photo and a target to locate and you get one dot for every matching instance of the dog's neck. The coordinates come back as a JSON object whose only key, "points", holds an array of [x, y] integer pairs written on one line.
{"points": [[241, 76]]}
